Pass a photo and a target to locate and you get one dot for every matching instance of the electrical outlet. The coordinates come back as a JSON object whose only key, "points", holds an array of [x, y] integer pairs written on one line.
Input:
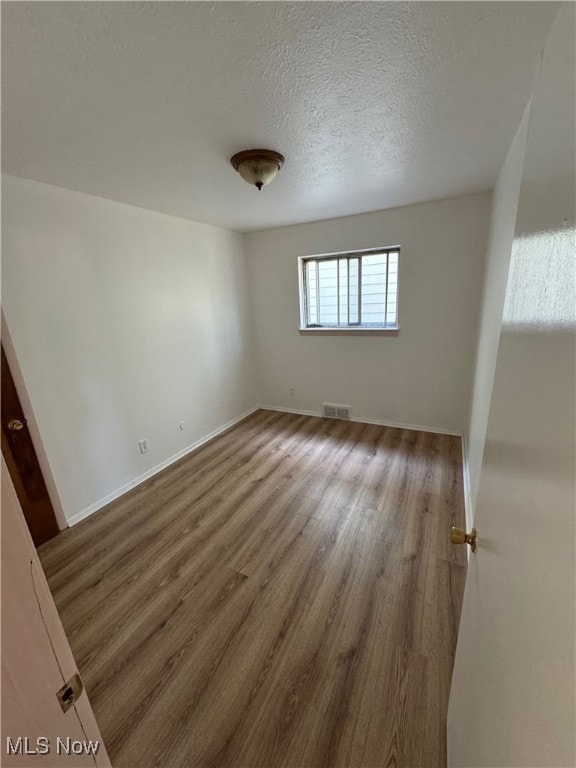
{"points": [[143, 445], [291, 391]]}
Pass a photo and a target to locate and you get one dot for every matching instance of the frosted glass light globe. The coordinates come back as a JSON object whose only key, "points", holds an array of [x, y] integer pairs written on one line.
{"points": [[258, 172]]}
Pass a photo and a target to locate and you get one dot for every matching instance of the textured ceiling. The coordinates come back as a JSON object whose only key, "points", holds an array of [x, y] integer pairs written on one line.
{"points": [[374, 104]]}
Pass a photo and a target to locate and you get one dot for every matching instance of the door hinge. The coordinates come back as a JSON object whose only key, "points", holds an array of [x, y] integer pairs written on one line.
{"points": [[70, 692]]}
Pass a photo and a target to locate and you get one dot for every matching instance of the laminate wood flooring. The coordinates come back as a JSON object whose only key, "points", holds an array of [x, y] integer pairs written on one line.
{"points": [[287, 595]]}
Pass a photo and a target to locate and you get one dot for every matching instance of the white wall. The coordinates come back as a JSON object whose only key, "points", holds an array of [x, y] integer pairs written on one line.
{"points": [[502, 224], [125, 322], [421, 377]]}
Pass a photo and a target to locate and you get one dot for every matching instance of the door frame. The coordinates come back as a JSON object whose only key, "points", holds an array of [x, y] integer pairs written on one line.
{"points": [[32, 424]]}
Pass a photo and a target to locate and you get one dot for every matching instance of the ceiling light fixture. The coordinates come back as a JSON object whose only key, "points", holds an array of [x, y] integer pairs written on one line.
{"points": [[257, 166]]}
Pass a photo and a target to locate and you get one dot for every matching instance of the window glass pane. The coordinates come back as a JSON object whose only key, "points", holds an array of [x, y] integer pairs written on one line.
{"points": [[311, 293], [354, 266], [343, 290], [391, 309], [373, 289], [328, 292]]}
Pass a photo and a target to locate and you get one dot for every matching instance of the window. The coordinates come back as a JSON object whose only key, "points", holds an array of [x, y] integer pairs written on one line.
{"points": [[350, 290]]}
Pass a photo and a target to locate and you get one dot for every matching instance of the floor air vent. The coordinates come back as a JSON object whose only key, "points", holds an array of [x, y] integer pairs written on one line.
{"points": [[336, 411]]}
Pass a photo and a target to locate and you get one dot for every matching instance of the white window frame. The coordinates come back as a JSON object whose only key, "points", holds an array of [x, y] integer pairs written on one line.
{"points": [[358, 328]]}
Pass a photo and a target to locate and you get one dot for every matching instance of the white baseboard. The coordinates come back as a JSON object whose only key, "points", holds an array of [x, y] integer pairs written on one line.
{"points": [[158, 468], [380, 422], [289, 410]]}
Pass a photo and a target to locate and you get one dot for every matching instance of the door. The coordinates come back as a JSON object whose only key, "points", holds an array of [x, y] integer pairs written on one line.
{"points": [[22, 463], [37, 662], [512, 699]]}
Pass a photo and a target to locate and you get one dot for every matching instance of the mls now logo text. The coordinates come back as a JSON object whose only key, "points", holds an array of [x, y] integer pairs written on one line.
{"points": [[22, 745]]}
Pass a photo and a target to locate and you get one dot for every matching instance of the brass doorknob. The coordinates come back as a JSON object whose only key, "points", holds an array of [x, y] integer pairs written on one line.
{"points": [[461, 537], [15, 425]]}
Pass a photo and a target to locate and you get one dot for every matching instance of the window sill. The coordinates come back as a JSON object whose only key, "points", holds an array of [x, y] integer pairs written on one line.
{"points": [[350, 331]]}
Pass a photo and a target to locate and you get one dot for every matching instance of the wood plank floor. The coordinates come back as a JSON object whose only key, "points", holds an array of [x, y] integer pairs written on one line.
{"points": [[287, 595]]}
